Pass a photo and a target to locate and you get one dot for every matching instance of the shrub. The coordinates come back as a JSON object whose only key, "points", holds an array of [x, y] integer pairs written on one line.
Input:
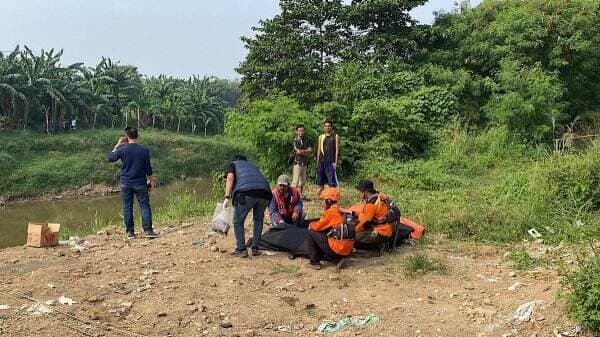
{"points": [[420, 264], [584, 299]]}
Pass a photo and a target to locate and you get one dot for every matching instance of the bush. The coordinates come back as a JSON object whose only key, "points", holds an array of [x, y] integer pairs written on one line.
{"points": [[268, 127], [584, 299]]}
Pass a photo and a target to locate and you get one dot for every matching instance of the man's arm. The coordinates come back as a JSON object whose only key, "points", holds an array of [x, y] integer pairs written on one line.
{"points": [[229, 184], [274, 212], [337, 149], [365, 216], [299, 205], [149, 172], [115, 154]]}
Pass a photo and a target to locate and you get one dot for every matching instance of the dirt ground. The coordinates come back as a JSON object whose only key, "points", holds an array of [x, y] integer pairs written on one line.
{"points": [[172, 287]]}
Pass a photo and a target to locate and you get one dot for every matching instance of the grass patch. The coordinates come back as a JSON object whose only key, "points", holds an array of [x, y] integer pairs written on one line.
{"points": [[291, 270], [420, 264], [522, 260]]}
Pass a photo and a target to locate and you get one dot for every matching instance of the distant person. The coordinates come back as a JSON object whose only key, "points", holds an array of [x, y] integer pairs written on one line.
{"points": [[136, 179], [286, 205], [372, 231], [73, 124], [302, 152], [328, 150], [247, 189], [325, 240]]}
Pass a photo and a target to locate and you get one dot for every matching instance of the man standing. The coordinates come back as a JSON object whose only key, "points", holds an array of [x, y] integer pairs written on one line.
{"points": [[302, 151], [327, 157], [248, 190], [136, 178], [286, 205]]}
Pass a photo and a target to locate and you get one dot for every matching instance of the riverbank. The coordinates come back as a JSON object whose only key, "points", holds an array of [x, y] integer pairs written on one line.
{"points": [[33, 165]]}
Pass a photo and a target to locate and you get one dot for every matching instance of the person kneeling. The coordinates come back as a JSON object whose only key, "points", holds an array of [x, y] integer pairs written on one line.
{"points": [[372, 232], [286, 205], [324, 241]]}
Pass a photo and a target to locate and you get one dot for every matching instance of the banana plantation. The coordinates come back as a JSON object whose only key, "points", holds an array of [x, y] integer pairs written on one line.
{"points": [[38, 92]]}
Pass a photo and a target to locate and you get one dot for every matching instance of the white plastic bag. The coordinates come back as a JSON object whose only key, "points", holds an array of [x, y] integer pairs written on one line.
{"points": [[222, 219]]}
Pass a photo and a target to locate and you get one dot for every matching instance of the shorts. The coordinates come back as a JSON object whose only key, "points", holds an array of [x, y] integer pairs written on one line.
{"points": [[326, 175], [299, 175]]}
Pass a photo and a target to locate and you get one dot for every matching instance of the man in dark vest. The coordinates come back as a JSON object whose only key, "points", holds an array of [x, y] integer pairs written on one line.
{"points": [[286, 205], [247, 189]]}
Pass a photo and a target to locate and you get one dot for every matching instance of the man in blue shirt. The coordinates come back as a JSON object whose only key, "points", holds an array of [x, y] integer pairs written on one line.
{"points": [[136, 179]]}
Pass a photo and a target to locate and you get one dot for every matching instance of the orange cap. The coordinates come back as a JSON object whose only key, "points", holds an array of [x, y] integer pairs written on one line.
{"points": [[330, 193]]}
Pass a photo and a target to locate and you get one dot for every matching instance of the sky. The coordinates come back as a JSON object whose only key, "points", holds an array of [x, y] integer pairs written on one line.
{"points": [[175, 37]]}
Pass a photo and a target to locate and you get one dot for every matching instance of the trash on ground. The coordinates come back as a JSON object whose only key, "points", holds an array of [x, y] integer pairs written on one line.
{"points": [[222, 219], [4, 307], [534, 233], [346, 321], [269, 253], [42, 234], [66, 301], [39, 309], [525, 311], [515, 286], [199, 243], [570, 332], [284, 328]]}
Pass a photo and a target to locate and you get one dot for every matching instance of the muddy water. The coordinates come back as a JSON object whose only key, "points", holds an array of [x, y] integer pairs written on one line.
{"points": [[74, 213]]}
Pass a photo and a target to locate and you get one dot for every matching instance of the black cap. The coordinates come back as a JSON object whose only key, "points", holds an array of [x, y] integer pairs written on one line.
{"points": [[365, 185]]}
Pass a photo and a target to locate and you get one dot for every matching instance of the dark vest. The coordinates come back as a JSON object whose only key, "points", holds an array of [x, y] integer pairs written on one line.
{"points": [[248, 178]]}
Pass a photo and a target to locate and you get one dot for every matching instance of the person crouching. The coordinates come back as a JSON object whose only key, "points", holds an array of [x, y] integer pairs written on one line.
{"points": [[322, 245]]}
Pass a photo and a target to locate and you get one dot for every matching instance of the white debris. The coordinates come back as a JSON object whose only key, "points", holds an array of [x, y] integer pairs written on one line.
{"points": [[525, 311], [66, 301], [515, 286], [534, 233], [4, 307], [39, 309], [570, 332]]}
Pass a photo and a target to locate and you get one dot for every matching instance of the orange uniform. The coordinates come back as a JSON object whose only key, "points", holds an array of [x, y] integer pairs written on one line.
{"points": [[332, 217], [374, 211]]}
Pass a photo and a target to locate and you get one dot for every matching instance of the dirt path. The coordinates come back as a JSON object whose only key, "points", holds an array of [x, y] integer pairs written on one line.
{"points": [[170, 287]]}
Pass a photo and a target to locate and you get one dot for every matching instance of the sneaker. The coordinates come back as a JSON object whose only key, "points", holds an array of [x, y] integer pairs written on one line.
{"points": [[315, 266], [130, 234], [150, 234], [341, 264], [255, 252], [240, 253]]}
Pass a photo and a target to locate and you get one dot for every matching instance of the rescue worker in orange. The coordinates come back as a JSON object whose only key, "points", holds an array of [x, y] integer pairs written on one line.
{"points": [[322, 241], [286, 205], [371, 231]]}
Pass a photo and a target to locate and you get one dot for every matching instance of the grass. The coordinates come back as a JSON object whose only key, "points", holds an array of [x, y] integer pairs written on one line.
{"points": [[522, 260], [32, 164], [290, 270], [420, 264], [488, 188]]}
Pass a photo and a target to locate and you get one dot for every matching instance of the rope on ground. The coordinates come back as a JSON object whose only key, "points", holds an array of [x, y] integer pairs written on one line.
{"points": [[19, 296]]}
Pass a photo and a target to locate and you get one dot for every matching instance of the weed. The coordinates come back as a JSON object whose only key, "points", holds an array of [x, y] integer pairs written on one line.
{"points": [[291, 270], [522, 260], [420, 264]]}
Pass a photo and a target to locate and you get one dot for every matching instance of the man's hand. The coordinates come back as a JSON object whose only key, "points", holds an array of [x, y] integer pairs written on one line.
{"points": [[226, 203], [152, 182], [122, 141], [334, 165], [295, 216]]}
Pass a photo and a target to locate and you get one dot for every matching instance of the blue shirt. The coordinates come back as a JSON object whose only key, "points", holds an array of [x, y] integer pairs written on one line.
{"points": [[136, 164]]}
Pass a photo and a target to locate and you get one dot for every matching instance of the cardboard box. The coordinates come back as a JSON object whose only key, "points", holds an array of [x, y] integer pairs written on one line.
{"points": [[42, 234]]}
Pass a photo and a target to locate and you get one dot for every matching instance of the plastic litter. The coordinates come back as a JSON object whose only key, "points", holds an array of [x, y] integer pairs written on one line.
{"points": [[66, 301], [515, 286], [346, 321], [534, 233], [4, 307], [222, 219], [39, 309], [570, 332], [199, 243], [525, 311]]}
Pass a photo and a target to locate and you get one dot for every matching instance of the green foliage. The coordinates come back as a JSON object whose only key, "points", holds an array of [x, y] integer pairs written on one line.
{"points": [[420, 264], [268, 126], [40, 164], [522, 260], [583, 300]]}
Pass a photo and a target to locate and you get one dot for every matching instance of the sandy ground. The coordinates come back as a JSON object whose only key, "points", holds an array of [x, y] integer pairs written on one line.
{"points": [[171, 287]]}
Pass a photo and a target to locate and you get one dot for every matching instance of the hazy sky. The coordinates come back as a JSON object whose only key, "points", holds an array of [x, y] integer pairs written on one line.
{"points": [[175, 37]]}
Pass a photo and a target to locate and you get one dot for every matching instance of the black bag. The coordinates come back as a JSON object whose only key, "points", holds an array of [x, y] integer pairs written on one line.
{"points": [[393, 214], [291, 159], [347, 230]]}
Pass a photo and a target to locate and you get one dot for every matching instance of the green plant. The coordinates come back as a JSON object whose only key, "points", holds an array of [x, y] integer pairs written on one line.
{"points": [[420, 264], [584, 284], [522, 260]]}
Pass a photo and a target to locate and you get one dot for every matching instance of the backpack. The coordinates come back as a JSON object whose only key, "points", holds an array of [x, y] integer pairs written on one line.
{"points": [[346, 230], [393, 214]]}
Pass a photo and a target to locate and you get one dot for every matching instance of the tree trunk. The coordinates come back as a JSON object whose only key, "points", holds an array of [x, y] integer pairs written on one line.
{"points": [[178, 124], [95, 117], [138, 117], [153, 121], [47, 126]]}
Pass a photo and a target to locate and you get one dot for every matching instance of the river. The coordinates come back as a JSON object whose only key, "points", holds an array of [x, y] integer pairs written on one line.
{"points": [[73, 213]]}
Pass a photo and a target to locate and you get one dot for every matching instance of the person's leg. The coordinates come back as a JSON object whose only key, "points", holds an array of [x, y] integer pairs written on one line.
{"points": [[302, 179], [314, 242], [321, 177], [369, 240], [144, 201], [295, 175], [239, 216], [127, 197], [331, 175], [258, 216]]}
